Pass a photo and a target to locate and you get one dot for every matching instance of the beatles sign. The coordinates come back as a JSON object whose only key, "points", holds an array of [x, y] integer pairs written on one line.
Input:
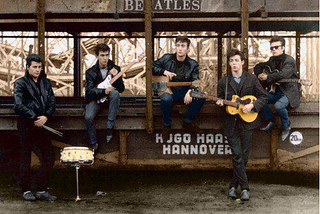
{"points": [[163, 5]]}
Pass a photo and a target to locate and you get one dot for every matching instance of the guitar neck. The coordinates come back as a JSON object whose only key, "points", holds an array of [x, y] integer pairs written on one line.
{"points": [[289, 80], [122, 72], [175, 84], [226, 102]]}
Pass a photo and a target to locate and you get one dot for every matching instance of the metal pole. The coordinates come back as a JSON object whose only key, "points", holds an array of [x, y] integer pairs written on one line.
{"points": [[245, 32], [41, 28], [77, 178], [149, 54]]}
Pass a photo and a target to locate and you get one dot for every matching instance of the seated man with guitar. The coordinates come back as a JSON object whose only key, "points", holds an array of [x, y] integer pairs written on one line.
{"points": [[283, 67], [239, 132], [95, 75], [178, 68]]}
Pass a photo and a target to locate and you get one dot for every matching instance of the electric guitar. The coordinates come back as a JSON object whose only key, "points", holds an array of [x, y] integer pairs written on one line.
{"points": [[161, 84], [108, 81], [234, 106], [267, 70]]}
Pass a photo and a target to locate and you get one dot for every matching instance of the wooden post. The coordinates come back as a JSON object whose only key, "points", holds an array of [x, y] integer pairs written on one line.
{"points": [[77, 65], [245, 32], [220, 46], [41, 29], [274, 161], [149, 54], [123, 157], [9, 76], [298, 40]]}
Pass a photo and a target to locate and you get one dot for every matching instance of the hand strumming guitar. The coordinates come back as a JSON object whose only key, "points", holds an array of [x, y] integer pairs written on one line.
{"points": [[169, 74]]}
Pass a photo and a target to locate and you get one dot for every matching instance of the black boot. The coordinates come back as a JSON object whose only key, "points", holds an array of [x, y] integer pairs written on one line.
{"points": [[269, 126]]}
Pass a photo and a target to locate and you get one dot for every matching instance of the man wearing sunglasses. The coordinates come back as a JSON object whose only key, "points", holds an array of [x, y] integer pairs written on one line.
{"points": [[283, 66]]}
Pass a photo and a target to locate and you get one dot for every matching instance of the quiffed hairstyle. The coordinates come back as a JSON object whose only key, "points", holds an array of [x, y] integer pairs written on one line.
{"points": [[101, 47], [183, 39], [33, 58], [235, 52], [278, 39]]}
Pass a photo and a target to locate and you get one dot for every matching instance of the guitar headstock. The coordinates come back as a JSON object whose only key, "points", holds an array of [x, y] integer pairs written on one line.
{"points": [[197, 94], [305, 82], [141, 57], [197, 83]]}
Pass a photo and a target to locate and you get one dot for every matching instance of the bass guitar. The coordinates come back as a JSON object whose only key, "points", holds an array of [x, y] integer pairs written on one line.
{"points": [[161, 84], [234, 106]]}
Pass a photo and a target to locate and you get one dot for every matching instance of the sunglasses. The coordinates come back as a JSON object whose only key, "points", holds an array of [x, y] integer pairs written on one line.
{"points": [[275, 47]]}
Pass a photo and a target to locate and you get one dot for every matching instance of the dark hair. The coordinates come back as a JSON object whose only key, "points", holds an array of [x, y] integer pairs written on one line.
{"points": [[278, 39], [235, 52], [183, 39], [33, 58], [101, 47]]}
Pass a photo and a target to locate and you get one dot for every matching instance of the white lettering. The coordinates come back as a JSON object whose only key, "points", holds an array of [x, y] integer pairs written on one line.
{"points": [[185, 149], [175, 150], [186, 5], [177, 138], [139, 5], [203, 149], [227, 150], [194, 150], [219, 138], [220, 149], [176, 5], [196, 5], [158, 6], [210, 138], [129, 5], [200, 138], [168, 2], [187, 138], [166, 149], [212, 149], [170, 139], [159, 138]]}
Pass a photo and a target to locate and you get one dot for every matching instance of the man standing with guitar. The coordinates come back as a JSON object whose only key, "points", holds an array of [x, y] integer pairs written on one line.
{"points": [[95, 75], [178, 67], [282, 66], [239, 132]]}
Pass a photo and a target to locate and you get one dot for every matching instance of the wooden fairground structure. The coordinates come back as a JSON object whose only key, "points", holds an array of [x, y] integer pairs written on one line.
{"points": [[64, 33]]}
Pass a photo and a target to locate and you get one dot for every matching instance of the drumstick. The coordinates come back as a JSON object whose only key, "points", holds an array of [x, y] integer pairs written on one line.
{"points": [[53, 131]]}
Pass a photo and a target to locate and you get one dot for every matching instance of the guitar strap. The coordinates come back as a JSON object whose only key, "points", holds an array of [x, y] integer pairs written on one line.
{"points": [[226, 92]]}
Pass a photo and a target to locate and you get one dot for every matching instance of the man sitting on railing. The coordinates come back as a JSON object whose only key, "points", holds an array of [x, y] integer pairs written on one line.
{"points": [[95, 75], [178, 67]]}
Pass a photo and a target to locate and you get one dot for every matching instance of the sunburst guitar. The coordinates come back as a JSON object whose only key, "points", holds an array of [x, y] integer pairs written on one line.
{"points": [[234, 106]]}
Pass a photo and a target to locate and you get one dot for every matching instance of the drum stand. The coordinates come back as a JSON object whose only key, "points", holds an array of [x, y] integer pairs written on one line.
{"points": [[77, 166]]}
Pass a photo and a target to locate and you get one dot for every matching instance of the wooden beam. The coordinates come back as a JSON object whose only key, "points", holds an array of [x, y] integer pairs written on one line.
{"points": [[77, 65], [220, 47], [274, 148], [123, 156], [298, 41], [149, 54], [245, 32], [41, 29]]}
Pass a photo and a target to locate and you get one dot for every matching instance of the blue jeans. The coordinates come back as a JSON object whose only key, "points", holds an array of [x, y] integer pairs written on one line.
{"points": [[93, 108], [178, 94], [280, 101]]}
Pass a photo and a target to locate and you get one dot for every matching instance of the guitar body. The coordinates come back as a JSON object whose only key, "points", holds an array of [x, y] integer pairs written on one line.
{"points": [[249, 117], [158, 80], [104, 85]]}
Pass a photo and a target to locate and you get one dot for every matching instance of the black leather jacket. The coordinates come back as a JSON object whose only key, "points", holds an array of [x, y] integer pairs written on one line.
{"points": [[167, 62], [94, 77], [28, 102]]}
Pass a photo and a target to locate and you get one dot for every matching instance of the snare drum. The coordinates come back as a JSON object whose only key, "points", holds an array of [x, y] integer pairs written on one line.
{"points": [[77, 155]]}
